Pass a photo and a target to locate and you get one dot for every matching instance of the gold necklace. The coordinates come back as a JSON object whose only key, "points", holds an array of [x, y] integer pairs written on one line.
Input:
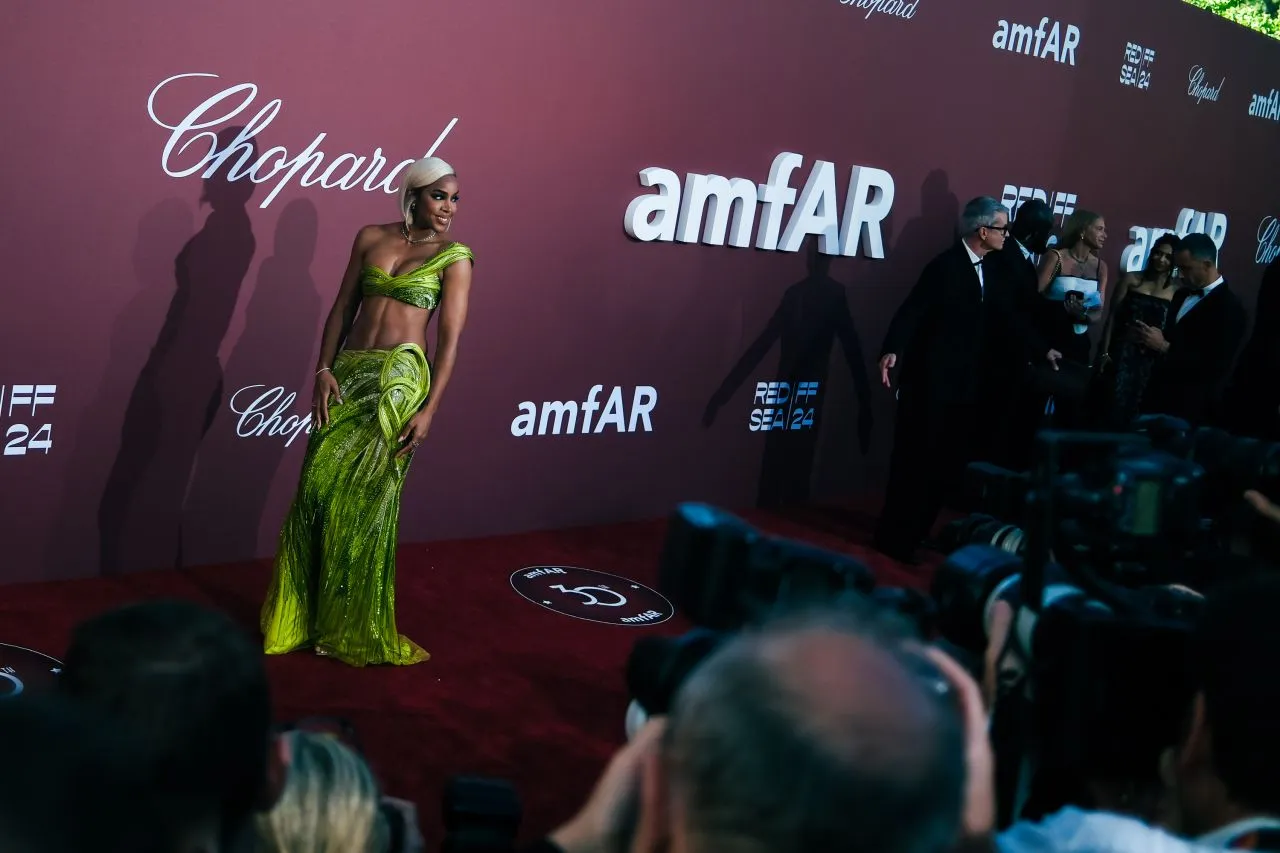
{"points": [[1080, 261], [404, 229]]}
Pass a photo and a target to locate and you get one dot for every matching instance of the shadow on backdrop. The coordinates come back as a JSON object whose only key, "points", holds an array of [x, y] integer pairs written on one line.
{"points": [[262, 415], [813, 315], [162, 232], [178, 391], [906, 254]]}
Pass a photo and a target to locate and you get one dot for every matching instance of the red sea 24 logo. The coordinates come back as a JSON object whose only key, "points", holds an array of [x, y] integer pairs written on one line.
{"points": [[1135, 71], [20, 406], [783, 406], [1062, 204]]}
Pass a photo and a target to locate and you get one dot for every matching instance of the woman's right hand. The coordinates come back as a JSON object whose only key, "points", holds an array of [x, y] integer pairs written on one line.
{"points": [[326, 387]]}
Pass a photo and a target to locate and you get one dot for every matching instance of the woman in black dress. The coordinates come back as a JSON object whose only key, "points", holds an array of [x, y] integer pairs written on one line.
{"points": [[1125, 365]]}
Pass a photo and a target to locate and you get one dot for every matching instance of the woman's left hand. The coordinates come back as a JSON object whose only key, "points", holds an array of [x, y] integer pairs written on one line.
{"points": [[414, 433]]}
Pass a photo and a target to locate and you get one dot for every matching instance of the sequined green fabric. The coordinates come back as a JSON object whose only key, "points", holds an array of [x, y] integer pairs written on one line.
{"points": [[335, 569], [419, 286]]}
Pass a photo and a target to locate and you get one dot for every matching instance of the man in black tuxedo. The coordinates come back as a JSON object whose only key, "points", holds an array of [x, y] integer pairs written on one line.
{"points": [[1199, 343], [939, 334], [1016, 344], [1253, 397]]}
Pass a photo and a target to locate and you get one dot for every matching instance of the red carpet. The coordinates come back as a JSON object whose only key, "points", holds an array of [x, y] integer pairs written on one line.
{"points": [[512, 689]]}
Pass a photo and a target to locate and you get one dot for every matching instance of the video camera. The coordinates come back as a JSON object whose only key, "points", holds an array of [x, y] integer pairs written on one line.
{"points": [[1228, 466], [1102, 576], [724, 575]]}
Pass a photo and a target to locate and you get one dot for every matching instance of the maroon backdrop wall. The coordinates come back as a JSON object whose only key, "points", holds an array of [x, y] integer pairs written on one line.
{"points": [[161, 315]]}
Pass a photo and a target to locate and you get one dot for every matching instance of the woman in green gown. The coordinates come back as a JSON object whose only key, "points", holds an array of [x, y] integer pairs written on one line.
{"points": [[333, 587]]}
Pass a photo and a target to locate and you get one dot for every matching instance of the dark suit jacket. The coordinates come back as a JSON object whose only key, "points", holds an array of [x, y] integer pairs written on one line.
{"points": [[1253, 397], [938, 332], [1014, 306], [1188, 380]]}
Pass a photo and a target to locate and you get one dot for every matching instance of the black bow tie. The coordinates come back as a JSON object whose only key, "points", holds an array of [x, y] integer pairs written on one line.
{"points": [[978, 262]]}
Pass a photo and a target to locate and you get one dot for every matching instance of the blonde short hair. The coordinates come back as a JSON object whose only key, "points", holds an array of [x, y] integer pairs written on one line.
{"points": [[330, 802], [421, 174]]}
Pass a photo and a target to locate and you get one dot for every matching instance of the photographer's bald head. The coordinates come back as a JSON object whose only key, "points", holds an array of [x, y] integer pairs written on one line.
{"points": [[822, 732]]}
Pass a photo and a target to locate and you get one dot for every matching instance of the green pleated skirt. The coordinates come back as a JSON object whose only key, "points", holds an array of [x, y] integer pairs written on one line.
{"points": [[334, 585]]}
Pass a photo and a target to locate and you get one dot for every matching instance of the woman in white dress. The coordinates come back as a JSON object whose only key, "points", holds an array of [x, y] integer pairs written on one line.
{"points": [[1074, 276]]}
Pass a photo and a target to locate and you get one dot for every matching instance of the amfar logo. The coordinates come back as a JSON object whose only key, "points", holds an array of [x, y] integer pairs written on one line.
{"points": [[1266, 106], [1040, 42], [1190, 221], [1062, 204], [900, 8], [346, 171], [678, 212], [1268, 247], [1200, 90], [562, 416]]}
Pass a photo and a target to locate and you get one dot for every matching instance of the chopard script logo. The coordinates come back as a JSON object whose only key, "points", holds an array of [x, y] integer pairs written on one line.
{"points": [[1268, 240], [263, 411], [898, 8], [1200, 90], [347, 171]]}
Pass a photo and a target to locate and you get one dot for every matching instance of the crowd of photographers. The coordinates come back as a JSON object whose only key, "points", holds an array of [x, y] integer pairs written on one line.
{"points": [[839, 729], [826, 728]]}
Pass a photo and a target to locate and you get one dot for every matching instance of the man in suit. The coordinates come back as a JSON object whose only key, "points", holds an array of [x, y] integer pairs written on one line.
{"points": [[939, 334], [1198, 345], [1016, 343], [1253, 397]]}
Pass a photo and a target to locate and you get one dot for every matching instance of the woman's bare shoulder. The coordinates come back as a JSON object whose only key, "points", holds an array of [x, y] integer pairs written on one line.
{"points": [[378, 231]]}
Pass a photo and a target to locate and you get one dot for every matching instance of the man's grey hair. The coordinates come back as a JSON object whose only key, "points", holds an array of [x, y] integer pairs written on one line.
{"points": [[1201, 247], [760, 764], [981, 212]]}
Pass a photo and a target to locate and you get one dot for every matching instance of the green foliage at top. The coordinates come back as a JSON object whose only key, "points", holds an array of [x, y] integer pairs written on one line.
{"points": [[1257, 15]]}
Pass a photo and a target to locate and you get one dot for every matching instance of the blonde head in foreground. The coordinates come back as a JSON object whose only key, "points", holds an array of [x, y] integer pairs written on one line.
{"points": [[329, 805]]}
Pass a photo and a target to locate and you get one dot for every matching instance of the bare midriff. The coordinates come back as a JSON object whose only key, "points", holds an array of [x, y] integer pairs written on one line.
{"points": [[386, 323]]}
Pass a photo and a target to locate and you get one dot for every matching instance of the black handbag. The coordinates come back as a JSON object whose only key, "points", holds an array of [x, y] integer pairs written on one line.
{"points": [[1069, 382]]}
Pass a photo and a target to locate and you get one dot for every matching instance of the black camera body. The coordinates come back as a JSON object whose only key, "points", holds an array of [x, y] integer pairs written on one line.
{"points": [[1224, 466], [1103, 616], [724, 574]]}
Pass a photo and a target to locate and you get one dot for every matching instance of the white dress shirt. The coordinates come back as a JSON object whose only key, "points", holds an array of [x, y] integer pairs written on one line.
{"points": [[1026, 253], [1073, 830], [1193, 299], [977, 266]]}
